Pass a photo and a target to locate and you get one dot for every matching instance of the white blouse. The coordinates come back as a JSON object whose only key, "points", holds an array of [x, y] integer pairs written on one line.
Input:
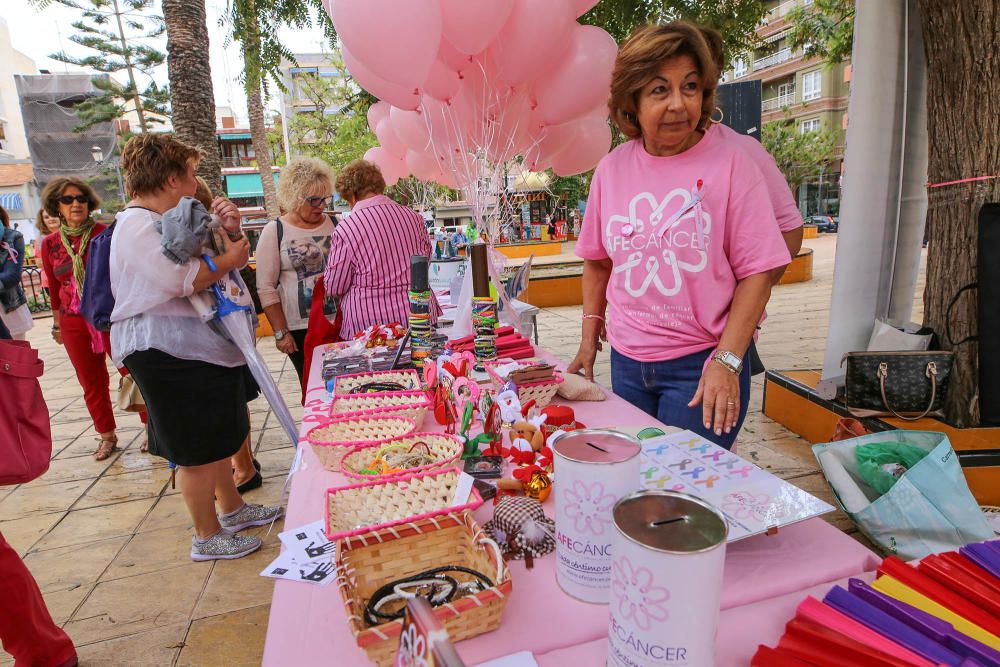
{"points": [[151, 307]]}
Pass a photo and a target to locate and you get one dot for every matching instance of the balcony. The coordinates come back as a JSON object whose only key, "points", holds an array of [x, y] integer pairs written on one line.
{"points": [[782, 56], [238, 162], [779, 102]]}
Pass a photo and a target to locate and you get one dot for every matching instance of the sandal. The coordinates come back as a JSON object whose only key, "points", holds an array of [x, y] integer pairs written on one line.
{"points": [[105, 449]]}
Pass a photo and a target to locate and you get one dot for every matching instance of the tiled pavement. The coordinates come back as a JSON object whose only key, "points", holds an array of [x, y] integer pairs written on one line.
{"points": [[109, 541]]}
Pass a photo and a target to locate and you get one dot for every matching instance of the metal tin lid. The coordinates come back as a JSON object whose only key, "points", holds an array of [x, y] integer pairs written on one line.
{"points": [[670, 522], [596, 446]]}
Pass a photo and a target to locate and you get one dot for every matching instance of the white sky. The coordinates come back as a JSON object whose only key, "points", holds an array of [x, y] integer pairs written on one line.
{"points": [[38, 33]]}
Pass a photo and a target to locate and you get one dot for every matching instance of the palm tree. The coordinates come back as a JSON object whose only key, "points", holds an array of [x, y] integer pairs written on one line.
{"points": [[255, 24], [190, 75]]}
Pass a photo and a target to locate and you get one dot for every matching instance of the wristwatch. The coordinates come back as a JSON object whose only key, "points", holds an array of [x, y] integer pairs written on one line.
{"points": [[279, 334], [732, 362]]}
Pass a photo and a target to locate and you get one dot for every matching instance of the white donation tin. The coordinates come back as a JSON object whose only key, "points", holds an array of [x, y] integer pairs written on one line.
{"points": [[593, 469], [666, 580]]}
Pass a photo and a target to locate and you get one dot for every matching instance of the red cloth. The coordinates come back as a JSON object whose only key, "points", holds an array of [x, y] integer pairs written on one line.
{"points": [[319, 332], [26, 628], [59, 268], [91, 371]]}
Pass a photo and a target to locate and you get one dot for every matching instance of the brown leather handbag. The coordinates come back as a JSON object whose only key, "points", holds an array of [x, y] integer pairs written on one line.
{"points": [[907, 385]]}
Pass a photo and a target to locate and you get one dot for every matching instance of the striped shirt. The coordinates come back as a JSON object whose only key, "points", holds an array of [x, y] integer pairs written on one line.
{"points": [[369, 263]]}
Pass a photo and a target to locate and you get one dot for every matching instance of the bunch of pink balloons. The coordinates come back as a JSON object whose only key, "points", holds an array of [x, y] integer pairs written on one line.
{"points": [[463, 81]]}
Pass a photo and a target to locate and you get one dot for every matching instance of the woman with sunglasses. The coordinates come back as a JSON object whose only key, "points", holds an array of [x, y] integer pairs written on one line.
{"points": [[292, 252], [64, 260]]}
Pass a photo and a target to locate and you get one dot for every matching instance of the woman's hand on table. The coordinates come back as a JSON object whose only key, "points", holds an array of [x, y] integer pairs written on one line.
{"points": [[585, 358], [719, 395]]}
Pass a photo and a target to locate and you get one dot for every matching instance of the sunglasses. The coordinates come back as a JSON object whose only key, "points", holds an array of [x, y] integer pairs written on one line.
{"points": [[319, 201], [69, 199]]}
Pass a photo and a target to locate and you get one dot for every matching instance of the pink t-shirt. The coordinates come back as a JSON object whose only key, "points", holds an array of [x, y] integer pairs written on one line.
{"points": [[786, 211], [673, 279]]}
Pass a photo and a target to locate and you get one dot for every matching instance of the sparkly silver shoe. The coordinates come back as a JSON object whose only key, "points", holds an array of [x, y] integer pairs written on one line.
{"points": [[223, 546], [250, 515]]}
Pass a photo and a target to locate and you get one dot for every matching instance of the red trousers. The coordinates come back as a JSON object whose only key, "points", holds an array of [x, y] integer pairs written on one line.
{"points": [[26, 629], [91, 371]]}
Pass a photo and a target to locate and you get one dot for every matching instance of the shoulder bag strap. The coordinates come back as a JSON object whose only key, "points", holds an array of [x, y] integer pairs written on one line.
{"points": [[947, 316], [280, 230]]}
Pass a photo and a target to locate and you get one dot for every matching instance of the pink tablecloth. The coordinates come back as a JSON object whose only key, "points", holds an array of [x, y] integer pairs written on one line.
{"points": [[308, 626], [741, 631]]}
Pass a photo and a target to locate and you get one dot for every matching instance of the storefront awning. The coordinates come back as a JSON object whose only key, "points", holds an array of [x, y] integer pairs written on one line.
{"points": [[11, 201], [245, 185]]}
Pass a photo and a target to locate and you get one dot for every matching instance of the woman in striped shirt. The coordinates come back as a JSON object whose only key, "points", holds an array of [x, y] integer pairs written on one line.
{"points": [[368, 269]]}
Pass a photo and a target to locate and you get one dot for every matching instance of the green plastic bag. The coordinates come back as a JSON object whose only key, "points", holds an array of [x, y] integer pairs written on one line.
{"points": [[881, 464]]}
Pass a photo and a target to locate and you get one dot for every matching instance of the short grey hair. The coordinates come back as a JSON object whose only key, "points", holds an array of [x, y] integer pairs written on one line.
{"points": [[299, 179]]}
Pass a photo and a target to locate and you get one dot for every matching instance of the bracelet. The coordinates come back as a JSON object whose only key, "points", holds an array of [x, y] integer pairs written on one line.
{"points": [[594, 317]]}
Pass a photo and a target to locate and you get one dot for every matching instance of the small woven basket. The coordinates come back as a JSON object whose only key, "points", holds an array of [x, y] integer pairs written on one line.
{"points": [[384, 503], [443, 449], [539, 392], [411, 404], [365, 565], [351, 384], [330, 441]]}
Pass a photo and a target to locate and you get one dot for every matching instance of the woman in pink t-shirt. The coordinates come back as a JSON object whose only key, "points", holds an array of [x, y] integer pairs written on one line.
{"points": [[678, 241]]}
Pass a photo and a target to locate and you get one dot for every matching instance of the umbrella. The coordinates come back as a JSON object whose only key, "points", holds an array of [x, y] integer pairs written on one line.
{"points": [[235, 323]]}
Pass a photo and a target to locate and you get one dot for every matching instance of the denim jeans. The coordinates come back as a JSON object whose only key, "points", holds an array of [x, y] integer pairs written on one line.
{"points": [[663, 390]]}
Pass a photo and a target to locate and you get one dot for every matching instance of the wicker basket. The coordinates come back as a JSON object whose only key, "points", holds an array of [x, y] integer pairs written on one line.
{"points": [[412, 404], [454, 539], [349, 384], [444, 450], [330, 441], [539, 392], [384, 503]]}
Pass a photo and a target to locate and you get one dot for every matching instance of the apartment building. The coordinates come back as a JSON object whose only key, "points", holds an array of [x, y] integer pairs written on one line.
{"points": [[809, 91], [295, 99]]}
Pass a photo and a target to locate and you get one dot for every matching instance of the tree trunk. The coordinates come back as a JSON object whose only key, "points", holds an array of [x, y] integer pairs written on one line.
{"points": [[127, 55], [191, 98], [258, 133], [963, 120]]}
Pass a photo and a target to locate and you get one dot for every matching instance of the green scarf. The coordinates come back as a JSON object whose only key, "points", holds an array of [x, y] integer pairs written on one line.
{"points": [[84, 231]]}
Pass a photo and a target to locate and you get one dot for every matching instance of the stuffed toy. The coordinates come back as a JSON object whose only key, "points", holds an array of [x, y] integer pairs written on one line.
{"points": [[526, 440]]}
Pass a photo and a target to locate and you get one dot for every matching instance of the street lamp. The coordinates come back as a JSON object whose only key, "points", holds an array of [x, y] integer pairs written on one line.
{"points": [[98, 155]]}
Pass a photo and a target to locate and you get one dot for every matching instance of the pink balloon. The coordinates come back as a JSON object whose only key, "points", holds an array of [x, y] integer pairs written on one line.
{"points": [[392, 168], [582, 78], [592, 142], [508, 128], [377, 113], [443, 82], [470, 25], [396, 95], [581, 7], [387, 137], [452, 57], [411, 128], [422, 165], [447, 178], [532, 39], [550, 141], [396, 41]]}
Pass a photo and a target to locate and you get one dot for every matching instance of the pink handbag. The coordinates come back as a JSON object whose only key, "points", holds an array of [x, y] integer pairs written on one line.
{"points": [[25, 434]]}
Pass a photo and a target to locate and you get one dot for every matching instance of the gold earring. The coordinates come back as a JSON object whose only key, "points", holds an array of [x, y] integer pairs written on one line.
{"points": [[721, 116]]}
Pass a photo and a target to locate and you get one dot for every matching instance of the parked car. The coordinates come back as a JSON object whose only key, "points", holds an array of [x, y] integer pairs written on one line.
{"points": [[824, 223]]}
